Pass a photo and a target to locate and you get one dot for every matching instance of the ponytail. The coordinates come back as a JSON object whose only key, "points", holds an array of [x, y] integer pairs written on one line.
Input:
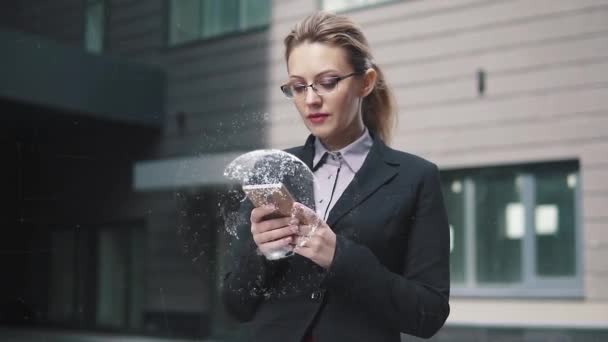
{"points": [[379, 108]]}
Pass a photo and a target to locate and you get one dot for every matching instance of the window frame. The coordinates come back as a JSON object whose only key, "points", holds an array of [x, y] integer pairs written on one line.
{"points": [[532, 285], [209, 38], [320, 5]]}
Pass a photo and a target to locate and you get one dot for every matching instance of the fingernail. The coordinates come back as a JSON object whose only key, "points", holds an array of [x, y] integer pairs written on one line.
{"points": [[294, 222]]}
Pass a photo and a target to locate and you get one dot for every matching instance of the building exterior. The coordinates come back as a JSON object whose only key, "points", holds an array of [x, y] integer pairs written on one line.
{"points": [[116, 231]]}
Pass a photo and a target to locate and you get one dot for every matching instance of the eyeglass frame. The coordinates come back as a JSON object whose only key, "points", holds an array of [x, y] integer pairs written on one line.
{"points": [[312, 85]]}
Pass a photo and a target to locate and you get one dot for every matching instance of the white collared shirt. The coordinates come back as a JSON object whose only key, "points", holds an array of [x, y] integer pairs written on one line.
{"points": [[338, 171]]}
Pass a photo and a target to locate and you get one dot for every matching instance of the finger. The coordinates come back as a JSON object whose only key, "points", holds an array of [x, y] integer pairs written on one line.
{"points": [[275, 234], [271, 224], [272, 245], [257, 214]]}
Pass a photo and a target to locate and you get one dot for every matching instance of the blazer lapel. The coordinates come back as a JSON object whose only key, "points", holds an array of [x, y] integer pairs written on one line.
{"points": [[377, 169], [305, 153]]}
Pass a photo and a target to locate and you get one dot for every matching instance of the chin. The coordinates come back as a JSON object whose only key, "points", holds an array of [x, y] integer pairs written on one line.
{"points": [[320, 132]]}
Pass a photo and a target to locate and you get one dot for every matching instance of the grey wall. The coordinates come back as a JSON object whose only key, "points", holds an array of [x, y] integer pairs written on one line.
{"points": [[219, 85]]}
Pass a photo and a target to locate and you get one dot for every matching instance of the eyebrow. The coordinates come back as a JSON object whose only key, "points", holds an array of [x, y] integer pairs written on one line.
{"points": [[317, 75]]}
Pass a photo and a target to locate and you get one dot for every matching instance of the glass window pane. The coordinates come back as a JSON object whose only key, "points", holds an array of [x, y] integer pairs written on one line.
{"points": [[184, 21], [453, 192], [194, 19], [136, 277], [229, 15], [341, 5], [69, 276], [94, 27], [210, 18], [219, 17], [255, 13], [112, 284], [61, 293], [500, 226], [555, 222]]}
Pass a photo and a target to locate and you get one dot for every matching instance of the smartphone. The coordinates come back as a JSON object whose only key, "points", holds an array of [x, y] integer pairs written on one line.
{"points": [[276, 194]]}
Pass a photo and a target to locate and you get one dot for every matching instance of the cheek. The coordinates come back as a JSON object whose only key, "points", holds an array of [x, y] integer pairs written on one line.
{"points": [[301, 108], [347, 107]]}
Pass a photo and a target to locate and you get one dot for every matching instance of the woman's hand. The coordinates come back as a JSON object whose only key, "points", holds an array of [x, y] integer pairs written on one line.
{"points": [[316, 241], [272, 234]]}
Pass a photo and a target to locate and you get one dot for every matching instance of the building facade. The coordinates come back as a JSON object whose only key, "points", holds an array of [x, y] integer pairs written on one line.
{"points": [[509, 98]]}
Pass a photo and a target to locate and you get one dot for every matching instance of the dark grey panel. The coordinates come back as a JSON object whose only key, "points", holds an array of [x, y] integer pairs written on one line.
{"points": [[45, 73]]}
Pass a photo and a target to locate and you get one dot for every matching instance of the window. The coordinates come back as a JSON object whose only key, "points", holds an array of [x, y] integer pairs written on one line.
{"points": [[94, 25], [513, 229], [343, 5], [199, 19], [96, 277]]}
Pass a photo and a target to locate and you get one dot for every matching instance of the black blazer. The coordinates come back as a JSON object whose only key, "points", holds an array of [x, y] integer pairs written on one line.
{"points": [[390, 272]]}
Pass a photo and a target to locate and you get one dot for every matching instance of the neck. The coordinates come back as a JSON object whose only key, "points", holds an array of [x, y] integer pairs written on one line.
{"points": [[343, 140]]}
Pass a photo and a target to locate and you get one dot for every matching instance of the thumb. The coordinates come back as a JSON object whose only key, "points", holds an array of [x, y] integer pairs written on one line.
{"points": [[305, 214]]}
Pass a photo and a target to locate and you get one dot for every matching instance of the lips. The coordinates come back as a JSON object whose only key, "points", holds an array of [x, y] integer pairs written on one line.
{"points": [[317, 118]]}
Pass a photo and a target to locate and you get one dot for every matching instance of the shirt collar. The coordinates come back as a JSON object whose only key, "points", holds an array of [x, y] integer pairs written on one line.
{"points": [[353, 155]]}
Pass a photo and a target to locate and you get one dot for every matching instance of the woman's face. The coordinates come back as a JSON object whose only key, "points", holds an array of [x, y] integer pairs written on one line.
{"points": [[335, 117]]}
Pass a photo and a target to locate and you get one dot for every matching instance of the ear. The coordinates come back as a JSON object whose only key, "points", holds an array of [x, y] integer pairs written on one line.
{"points": [[369, 82]]}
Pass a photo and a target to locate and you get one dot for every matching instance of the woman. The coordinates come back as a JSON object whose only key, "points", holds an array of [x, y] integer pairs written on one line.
{"points": [[378, 263]]}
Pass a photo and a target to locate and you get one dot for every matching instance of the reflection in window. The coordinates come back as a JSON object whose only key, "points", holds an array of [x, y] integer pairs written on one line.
{"points": [[499, 218], [343, 5], [513, 227], [94, 25], [555, 223], [200, 19], [119, 281], [453, 193], [516, 225]]}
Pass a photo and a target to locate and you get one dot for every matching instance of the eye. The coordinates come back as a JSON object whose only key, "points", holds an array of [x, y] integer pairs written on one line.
{"points": [[299, 87], [328, 83]]}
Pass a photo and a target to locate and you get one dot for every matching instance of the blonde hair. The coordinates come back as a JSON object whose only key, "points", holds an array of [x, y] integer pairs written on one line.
{"points": [[322, 27]]}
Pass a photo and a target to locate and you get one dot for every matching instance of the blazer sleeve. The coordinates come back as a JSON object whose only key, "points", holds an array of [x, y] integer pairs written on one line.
{"points": [[416, 301], [246, 278]]}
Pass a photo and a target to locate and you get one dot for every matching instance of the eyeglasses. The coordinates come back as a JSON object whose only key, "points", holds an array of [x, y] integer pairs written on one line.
{"points": [[322, 86]]}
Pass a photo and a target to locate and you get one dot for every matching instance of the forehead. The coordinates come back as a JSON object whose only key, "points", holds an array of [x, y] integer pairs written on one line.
{"points": [[309, 59]]}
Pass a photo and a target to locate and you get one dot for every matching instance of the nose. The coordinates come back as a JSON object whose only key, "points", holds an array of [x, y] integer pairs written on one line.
{"points": [[312, 98]]}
